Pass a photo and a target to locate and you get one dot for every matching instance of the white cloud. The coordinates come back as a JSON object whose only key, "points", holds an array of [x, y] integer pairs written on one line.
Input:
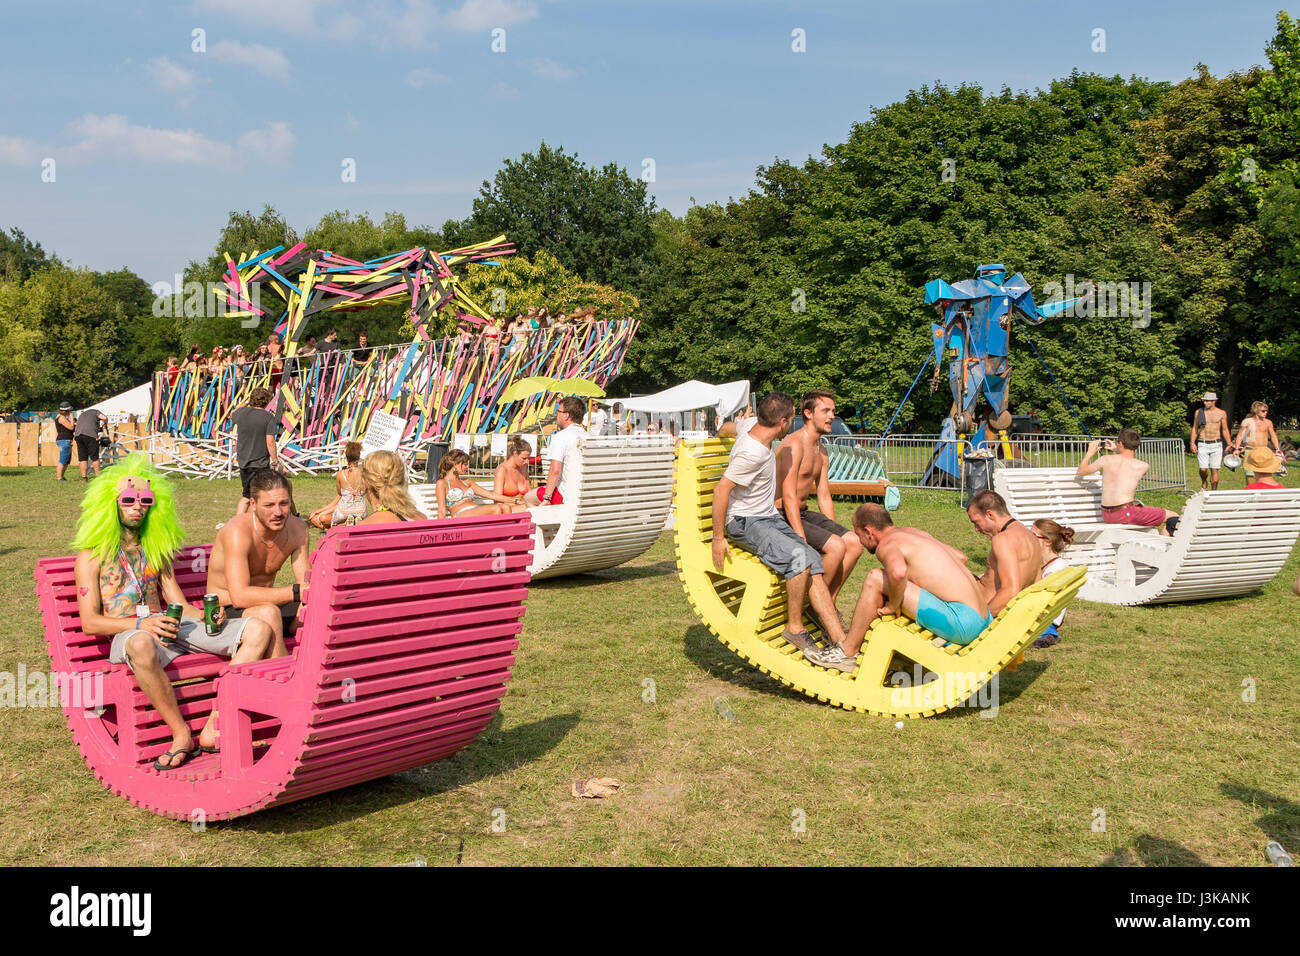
{"points": [[16, 151], [551, 69], [266, 60], [486, 14], [425, 77], [353, 124], [383, 23], [270, 145], [113, 136], [171, 76]]}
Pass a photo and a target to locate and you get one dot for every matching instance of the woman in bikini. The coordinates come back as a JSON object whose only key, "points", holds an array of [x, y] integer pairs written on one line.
{"points": [[456, 495], [511, 477], [384, 477], [349, 505]]}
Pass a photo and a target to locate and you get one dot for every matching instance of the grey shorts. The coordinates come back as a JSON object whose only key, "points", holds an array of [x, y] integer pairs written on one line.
{"points": [[774, 542], [193, 639]]}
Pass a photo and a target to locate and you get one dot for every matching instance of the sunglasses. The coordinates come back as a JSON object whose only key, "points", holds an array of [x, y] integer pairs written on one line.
{"points": [[129, 498]]}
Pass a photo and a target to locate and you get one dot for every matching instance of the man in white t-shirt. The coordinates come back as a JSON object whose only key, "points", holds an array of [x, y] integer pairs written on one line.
{"points": [[744, 505], [562, 453], [597, 420]]}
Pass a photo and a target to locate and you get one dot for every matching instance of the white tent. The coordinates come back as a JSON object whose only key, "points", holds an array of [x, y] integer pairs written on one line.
{"points": [[132, 402], [724, 399]]}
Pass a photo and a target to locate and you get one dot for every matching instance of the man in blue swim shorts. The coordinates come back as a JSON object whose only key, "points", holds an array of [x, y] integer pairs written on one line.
{"points": [[920, 577]]}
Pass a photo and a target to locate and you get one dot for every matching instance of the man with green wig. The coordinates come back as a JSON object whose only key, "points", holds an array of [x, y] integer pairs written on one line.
{"points": [[127, 537]]}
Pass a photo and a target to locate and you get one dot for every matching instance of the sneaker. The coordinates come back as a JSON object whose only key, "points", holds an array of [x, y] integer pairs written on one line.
{"points": [[802, 640], [1047, 640], [833, 656], [826, 640]]}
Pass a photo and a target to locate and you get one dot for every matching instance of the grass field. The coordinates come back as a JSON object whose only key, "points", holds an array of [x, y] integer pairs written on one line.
{"points": [[1127, 744]]}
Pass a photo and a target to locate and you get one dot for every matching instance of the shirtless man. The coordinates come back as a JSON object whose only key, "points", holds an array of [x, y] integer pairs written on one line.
{"points": [[802, 466], [1210, 432], [1257, 430], [127, 536], [1120, 475], [1015, 559], [919, 576], [249, 552]]}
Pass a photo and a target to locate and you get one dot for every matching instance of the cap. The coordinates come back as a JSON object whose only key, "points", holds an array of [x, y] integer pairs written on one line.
{"points": [[1209, 397], [65, 407]]}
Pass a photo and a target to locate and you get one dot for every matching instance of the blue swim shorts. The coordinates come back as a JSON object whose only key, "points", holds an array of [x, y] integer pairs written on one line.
{"points": [[951, 620]]}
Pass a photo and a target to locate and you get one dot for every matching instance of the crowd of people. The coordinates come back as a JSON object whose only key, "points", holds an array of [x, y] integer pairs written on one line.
{"points": [[267, 358]]}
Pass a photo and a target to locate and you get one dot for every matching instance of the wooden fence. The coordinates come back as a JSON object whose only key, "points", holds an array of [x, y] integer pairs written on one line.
{"points": [[31, 444]]}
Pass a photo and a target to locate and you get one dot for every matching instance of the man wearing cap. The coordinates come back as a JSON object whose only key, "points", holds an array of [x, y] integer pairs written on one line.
{"points": [[1265, 464], [1209, 430]]}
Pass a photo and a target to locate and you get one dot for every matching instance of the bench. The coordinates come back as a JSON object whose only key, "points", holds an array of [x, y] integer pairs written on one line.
{"points": [[1226, 543], [623, 492], [402, 658], [744, 605]]}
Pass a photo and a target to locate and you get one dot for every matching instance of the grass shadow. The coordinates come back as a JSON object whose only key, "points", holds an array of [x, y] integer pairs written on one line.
{"points": [[623, 572], [495, 752], [1153, 851], [1281, 819], [722, 663]]}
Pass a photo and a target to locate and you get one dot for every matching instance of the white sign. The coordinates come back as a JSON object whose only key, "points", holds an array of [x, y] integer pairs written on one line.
{"points": [[499, 444], [383, 434], [480, 440], [461, 443]]}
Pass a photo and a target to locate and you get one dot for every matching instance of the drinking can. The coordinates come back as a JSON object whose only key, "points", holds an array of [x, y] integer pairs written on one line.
{"points": [[211, 606], [174, 612]]}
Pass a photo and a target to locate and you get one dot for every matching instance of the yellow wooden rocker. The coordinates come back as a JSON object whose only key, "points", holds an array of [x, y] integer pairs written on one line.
{"points": [[745, 606]]}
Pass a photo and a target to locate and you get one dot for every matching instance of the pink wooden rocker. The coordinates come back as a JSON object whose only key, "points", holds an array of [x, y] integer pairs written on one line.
{"points": [[402, 659]]}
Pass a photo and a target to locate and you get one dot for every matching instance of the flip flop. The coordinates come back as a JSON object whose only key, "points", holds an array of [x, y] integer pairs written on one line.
{"points": [[208, 750], [188, 754]]}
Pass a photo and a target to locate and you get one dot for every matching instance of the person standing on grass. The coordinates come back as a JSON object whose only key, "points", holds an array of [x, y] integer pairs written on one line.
{"points": [[1210, 433], [90, 424], [127, 538], [65, 427], [1256, 431], [562, 454], [255, 430]]}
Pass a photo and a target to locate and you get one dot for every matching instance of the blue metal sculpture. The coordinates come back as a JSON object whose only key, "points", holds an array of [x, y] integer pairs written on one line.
{"points": [[976, 331]]}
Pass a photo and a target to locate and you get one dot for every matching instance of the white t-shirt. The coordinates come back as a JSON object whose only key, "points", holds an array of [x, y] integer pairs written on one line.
{"points": [[597, 421], [752, 466], [1057, 563], [564, 449]]}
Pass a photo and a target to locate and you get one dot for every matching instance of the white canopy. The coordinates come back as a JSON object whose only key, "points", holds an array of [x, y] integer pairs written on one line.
{"points": [[725, 399], [132, 402]]}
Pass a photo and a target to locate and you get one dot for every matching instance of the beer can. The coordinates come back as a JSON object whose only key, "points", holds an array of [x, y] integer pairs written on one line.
{"points": [[174, 612], [211, 605]]}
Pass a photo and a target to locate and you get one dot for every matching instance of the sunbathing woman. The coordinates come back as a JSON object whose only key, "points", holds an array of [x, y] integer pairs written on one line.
{"points": [[511, 478], [456, 495], [349, 505], [384, 476]]}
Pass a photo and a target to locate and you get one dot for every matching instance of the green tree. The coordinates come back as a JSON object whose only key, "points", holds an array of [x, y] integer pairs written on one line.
{"points": [[595, 221], [19, 256]]}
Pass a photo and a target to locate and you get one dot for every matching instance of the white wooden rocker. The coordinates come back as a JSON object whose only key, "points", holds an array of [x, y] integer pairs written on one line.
{"points": [[624, 493], [1226, 543]]}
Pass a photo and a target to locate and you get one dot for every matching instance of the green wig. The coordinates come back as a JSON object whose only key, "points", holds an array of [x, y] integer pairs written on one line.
{"points": [[99, 529]]}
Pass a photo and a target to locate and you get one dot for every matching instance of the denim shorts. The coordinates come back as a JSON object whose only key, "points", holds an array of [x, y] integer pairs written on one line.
{"points": [[774, 542], [65, 450]]}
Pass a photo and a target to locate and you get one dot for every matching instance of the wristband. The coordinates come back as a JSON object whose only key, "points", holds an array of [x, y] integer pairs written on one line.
{"points": [[541, 496], [297, 592]]}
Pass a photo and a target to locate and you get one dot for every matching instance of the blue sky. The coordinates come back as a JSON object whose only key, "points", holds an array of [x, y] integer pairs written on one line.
{"points": [[154, 142]]}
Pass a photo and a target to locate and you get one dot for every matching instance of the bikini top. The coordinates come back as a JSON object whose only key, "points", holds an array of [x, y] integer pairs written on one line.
{"points": [[456, 495]]}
